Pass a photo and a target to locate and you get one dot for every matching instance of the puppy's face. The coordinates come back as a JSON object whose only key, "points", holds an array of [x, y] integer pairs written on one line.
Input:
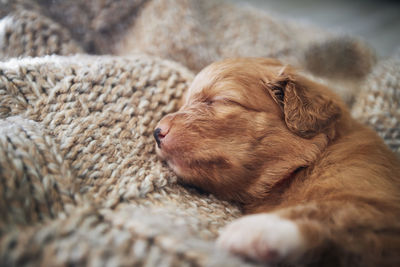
{"points": [[231, 130]]}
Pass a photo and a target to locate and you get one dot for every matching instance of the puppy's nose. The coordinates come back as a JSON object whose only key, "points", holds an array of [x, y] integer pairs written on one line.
{"points": [[159, 136]]}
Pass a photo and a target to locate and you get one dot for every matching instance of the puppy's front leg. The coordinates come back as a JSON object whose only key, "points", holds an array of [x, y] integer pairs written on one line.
{"points": [[264, 237], [334, 233]]}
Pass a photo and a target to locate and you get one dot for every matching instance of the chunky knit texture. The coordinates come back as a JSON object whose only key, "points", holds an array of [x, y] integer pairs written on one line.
{"points": [[26, 33], [80, 183], [378, 104], [194, 33]]}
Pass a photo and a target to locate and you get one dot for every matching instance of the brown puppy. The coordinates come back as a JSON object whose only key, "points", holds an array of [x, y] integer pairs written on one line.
{"points": [[325, 188]]}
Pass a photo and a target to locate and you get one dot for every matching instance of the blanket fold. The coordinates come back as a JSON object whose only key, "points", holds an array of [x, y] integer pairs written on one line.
{"points": [[81, 183]]}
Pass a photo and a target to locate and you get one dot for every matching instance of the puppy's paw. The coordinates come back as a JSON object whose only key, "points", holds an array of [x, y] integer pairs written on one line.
{"points": [[263, 237]]}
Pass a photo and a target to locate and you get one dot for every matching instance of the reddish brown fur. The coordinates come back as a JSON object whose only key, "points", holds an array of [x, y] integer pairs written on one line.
{"points": [[255, 132]]}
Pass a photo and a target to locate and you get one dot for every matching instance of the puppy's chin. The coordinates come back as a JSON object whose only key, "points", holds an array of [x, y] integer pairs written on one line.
{"points": [[160, 153], [177, 165]]}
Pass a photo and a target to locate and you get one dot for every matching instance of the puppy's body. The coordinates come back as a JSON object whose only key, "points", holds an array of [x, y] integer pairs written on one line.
{"points": [[254, 132]]}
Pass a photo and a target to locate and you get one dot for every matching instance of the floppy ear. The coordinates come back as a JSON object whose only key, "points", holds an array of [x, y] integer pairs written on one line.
{"points": [[307, 111]]}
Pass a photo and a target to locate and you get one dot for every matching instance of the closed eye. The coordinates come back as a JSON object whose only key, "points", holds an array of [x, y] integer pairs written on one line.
{"points": [[228, 101], [224, 101], [209, 102], [217, 100]]}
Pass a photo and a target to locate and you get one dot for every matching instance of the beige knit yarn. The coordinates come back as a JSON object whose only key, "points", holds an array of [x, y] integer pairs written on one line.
{"points": [[194, 33], [378, 104], [80, 181], [26, 33]]}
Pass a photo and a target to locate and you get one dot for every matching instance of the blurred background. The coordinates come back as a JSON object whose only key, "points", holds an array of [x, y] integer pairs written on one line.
{"points": [[376, 21]]}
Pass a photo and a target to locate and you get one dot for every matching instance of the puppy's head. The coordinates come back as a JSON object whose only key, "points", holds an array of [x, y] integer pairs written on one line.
{"points": [[245, 124]]}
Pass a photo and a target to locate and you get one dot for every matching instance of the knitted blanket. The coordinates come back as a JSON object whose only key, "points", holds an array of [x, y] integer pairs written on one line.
{"points": [[378, 103], [80, 183], [194, 33]]}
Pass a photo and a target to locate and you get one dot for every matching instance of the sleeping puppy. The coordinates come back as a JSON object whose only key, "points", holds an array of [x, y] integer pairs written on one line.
{"points": [[321, 189]]}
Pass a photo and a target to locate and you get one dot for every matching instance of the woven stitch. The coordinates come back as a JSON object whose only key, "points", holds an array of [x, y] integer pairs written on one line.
{"points": [[378, 104], [79, 172]]}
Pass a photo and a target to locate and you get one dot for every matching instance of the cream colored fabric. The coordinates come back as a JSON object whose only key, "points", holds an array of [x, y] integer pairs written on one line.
{"points": [[80, 182], [378, 104]]}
